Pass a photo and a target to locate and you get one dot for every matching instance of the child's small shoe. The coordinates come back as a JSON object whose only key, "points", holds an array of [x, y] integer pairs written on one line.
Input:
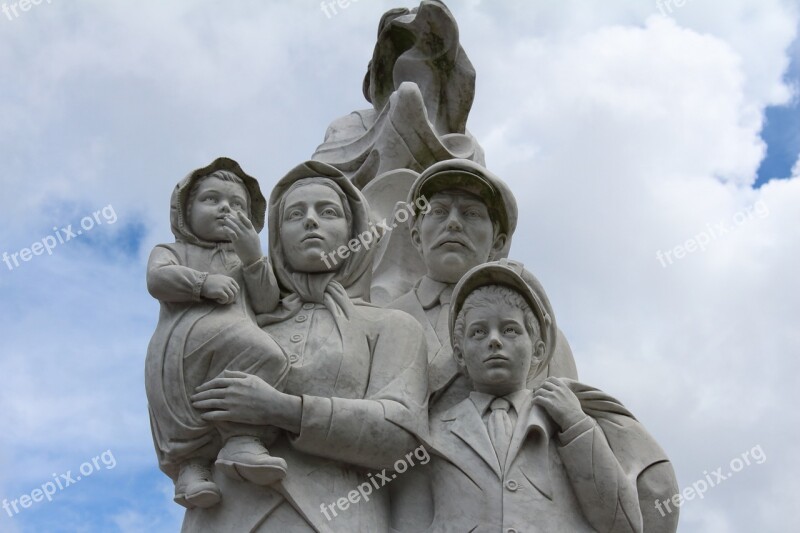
{"points": [[246, 458], [194, 487]]}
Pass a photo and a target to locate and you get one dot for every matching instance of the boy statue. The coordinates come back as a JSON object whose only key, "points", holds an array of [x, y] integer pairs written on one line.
{"points": [[564, 457]]}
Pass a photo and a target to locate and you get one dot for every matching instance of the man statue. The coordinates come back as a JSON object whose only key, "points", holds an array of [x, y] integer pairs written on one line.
{"points": [[470, 221]]}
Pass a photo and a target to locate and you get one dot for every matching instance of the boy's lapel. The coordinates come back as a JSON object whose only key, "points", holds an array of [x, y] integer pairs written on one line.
{"points": [[533, 431], [469, 427]]}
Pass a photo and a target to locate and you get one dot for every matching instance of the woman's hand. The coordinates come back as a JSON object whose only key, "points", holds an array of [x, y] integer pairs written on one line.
{"points": [[246, 399], [560, 402]]}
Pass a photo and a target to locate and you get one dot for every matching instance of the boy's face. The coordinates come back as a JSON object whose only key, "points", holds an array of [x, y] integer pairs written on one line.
{"points": [[214, 201], [497, 349]]}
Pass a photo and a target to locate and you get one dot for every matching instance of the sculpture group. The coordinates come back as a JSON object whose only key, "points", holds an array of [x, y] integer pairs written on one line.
{"points": [[385, 366]]}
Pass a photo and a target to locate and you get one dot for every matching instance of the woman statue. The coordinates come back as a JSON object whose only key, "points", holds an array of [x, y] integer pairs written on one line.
{"points": [[355, 397]]}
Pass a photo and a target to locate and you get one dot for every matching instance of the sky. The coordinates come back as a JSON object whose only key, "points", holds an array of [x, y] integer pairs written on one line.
{"points": [[654, 149]]}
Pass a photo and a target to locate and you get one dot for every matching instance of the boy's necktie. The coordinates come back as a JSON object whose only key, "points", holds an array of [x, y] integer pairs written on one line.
{"points": [[500, 428]]}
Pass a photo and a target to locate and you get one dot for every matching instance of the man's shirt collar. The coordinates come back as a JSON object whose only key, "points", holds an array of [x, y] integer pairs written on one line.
{"points": [[429, 292]]}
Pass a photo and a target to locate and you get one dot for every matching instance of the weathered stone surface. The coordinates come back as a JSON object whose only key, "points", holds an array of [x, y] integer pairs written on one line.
{"points": [[387, 339], [421, 85]]}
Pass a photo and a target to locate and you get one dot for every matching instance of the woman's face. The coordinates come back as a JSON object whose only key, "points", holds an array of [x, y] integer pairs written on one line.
{"points": [[313, 226]]}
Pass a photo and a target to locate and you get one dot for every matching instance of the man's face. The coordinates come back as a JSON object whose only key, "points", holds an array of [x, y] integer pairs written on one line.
{"points": [[496, 350], [455, 235]]}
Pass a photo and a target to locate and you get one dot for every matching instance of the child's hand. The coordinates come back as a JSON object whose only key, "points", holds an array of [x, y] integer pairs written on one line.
{"points": [[560, 403], [244, 238], [221, 289]]}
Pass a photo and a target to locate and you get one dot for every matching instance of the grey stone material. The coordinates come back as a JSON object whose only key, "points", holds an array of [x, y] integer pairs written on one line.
{"points": [[359, 375], [209, 290], [450, 243], [421, 85], [575, 459], [280, 388]]}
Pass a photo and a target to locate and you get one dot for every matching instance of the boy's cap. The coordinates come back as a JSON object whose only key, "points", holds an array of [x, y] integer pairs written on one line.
{"points": [[466, 175], [513, 275]]}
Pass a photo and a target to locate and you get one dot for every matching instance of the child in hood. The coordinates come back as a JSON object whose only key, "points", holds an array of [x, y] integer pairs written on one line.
{"points": [[211, 282]]}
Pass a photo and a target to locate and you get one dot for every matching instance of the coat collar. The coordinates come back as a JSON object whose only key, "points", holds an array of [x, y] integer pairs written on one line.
{"points": [[411, 304], [469, 427], [430, 291], [532, 422], [482, 400]]}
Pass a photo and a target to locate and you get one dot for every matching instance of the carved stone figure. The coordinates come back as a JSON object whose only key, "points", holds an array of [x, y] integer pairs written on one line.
{"points": [[278, 386], [566, 457], [472, 219], [211, 281], [355, 397], [421, 85]]}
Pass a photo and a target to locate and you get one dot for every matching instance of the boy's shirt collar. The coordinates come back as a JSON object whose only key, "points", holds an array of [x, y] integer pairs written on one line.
{"points": [[481, 400]]}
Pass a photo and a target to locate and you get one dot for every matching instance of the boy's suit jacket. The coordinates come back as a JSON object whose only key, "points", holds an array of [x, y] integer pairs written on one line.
{"points": [[570, 481]]}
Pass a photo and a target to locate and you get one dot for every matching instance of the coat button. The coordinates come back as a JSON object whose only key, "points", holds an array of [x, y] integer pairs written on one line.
{"points": [[308, 306], [512, 485], [300, 318], [293, 358], [296, 337]]}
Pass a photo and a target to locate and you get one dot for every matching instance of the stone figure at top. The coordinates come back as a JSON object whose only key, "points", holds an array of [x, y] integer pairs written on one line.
{"points": [[421, 85], [211, 282]]}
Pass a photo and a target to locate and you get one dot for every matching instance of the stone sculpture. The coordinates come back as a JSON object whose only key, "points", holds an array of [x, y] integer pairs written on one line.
{"points": [[565, 457], [280, 389], [210, 283], [471, 220], [355, 398], [421, 85]]}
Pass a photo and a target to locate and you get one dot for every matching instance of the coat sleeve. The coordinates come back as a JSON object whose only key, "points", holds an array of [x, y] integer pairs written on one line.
{"points": [[380, 429], [261, 285], [606, 495], [169, 281], [656, 485]]}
